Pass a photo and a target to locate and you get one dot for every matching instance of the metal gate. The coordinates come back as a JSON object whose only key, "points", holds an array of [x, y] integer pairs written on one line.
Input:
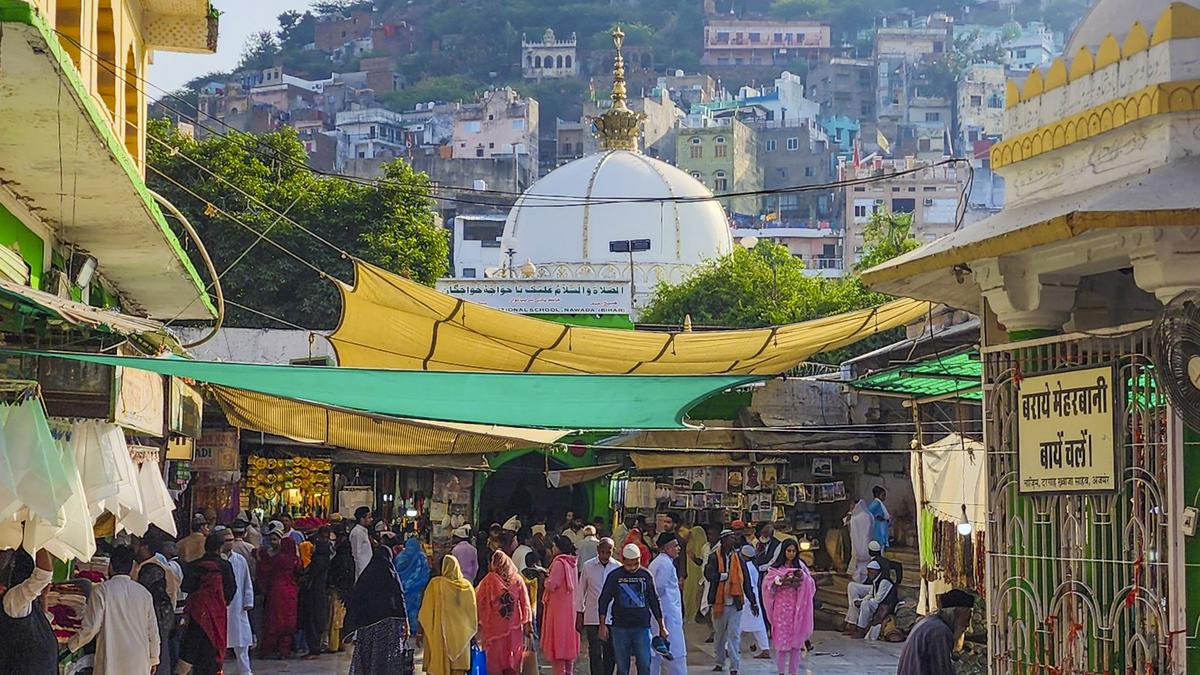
{"points": [[1083, 583]]}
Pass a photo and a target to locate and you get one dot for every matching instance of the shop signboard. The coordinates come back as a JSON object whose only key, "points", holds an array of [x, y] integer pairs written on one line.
{"points": [[351, 497], [180, 448], [139, 401], [543, 296], [216, 451], [187, 408], [1066, 431]]}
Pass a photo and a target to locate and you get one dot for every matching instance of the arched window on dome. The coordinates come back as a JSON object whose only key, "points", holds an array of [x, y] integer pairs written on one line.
{"points": [[567, 61], [537, 62], [697, 150], [720, 182], [558, 61], [720, 148]]}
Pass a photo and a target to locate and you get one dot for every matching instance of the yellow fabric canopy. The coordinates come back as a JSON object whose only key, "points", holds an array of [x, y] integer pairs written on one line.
{"points": [[391, 322], [312, 423]]}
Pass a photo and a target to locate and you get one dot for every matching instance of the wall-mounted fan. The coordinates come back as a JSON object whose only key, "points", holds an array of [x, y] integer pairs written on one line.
{"points": [[1176, 345]]}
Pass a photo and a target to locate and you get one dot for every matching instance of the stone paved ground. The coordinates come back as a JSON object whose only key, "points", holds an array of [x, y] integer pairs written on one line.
{"points": [[833, 655]]}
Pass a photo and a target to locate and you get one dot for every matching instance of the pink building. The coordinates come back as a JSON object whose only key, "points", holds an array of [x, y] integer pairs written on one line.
{"points": [[501, 125]]}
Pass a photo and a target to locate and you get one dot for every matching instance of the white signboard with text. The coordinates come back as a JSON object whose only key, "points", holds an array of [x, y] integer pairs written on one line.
{"points": [[1066, 431], [543, 296]]}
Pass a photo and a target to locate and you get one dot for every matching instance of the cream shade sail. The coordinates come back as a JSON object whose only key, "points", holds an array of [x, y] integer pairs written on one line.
{"points": [[391, 322], [311, 423]]}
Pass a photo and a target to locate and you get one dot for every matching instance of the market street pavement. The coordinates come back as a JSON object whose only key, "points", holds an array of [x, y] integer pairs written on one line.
{"points": [[833, 655]]}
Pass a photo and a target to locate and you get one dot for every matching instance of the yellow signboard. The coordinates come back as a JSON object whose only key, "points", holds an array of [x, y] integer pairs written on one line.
{"points": [[1066, 431]]}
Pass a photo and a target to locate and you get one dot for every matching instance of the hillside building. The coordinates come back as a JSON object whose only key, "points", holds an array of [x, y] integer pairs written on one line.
{"points": [[737, 42], [793, 153], [723, 156], [502, 123], [550, 58], [689, 90], [1035, 47], [333, 32], [980, 103], [844, 88]]}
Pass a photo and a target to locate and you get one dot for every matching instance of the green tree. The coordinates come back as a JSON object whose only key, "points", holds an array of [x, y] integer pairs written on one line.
{"points": [[766, 286], [390, 224], [259, 52]]}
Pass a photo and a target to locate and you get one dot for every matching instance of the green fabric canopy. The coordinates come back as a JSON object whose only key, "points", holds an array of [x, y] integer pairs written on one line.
{"points": [[509, 399]]}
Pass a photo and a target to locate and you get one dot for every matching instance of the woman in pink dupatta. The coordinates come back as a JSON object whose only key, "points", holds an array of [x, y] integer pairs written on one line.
{"points": [[560, 641], [788, 592], [505, 618]]}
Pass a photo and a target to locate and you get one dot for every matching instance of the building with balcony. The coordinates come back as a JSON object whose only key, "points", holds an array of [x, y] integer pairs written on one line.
{"points": [[915, 43], [932, 194], [819, 248], [74, 69], [550, 58], [737, 42], [793, 153], [688, 90], [1035, 47], [475, 245]]}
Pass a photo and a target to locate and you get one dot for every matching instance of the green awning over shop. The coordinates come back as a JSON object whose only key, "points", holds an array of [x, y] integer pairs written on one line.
{"points": [[509, 399], [938, 377]]}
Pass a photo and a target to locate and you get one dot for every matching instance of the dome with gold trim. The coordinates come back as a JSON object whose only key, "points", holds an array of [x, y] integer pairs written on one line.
{"points": [[564, 222]]}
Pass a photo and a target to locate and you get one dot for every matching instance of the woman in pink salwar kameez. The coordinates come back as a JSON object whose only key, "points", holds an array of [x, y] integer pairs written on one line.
{"points": [[505, 618], [788, 592], [560, 641]]}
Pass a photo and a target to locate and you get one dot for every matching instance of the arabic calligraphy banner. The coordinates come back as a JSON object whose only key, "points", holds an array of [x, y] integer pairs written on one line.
{"points": [[542, 296], [1066, 429]]}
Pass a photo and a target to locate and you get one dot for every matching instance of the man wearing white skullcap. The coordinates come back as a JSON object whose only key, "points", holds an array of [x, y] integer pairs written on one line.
{"points": [[465, 553], [592, 575], [880, 587], [512, 524], [629, 600]]}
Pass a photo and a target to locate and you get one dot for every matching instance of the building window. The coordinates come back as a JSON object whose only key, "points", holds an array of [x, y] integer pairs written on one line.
{"points": [[722, 38], [939, 47], [491, 146], [927, 202], [474, 127], [860, 210], [468, 272], [720, 182], [994, 101], [1021, 53], [923, 145], [518, 125], [809, 171], [755, 37], [782, 173], [697, 152], [721, 150], [778, 37], [479, 152], [976, 101], [770, 145], [558, 62], [904, 205], [933, 117], [567, 61], [793, 144]]}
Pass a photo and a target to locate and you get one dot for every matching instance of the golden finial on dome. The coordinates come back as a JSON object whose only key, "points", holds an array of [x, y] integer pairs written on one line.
{"points": [[618, 127]]}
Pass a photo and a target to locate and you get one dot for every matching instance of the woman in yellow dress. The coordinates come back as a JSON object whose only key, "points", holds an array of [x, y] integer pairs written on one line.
{"points": [[697, 543], [449, 620]]}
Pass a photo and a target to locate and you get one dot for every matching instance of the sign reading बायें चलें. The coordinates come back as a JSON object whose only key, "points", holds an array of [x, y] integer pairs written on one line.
{"points": [[1066, 431]]}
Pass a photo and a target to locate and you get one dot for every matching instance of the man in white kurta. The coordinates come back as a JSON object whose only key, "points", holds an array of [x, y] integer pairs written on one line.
{"points": [[238, 636], [120, 615], [753, 623], [360, 540], [666, 584]]}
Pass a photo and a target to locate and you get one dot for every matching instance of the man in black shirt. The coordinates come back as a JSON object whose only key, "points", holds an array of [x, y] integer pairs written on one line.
{"points": [[629, 600]]}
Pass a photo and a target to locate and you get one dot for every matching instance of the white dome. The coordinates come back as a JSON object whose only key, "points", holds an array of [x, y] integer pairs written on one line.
{"points": [[572, 240]]}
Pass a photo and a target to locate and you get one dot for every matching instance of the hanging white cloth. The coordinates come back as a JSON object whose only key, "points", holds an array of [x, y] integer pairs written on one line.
{"points": [[74, 538], [37, 468], [862, 527], [96, 467], [10, 503], [158, 506]]}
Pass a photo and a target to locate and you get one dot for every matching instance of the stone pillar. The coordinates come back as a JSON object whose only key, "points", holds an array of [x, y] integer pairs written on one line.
{"points": [[1024, 299], [1166, 260]]}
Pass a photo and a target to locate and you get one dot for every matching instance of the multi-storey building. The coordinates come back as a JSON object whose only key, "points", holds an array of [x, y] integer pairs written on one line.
{"points": [[792, 153], [844, 88], [550, 58], [980, 103], [502, 123], [932, 194], [689, 90], [476, 244], [915, 44], [75, 68], [658, 129], [373, 133], [1034, 47], [333, 32], [737, 42], [723, 155]]}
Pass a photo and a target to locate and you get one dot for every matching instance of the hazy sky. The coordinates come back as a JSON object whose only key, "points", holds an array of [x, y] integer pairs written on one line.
{"points": [[240, 19]]}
